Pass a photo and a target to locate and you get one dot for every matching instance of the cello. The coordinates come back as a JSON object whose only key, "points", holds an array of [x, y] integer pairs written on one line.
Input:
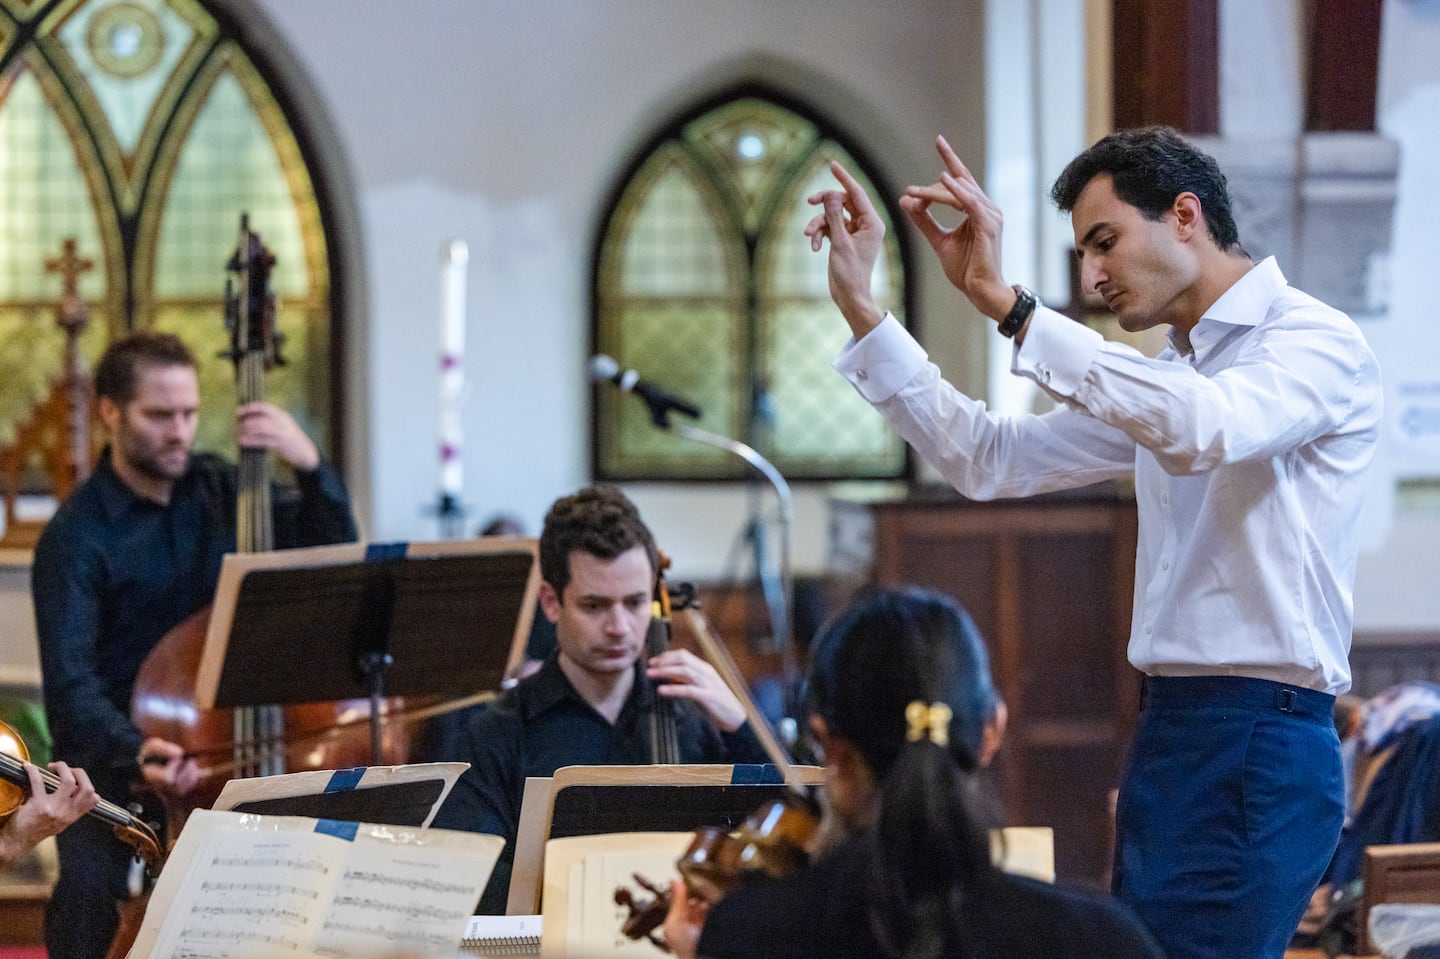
{"points": [[255, 740], [775, 840]]}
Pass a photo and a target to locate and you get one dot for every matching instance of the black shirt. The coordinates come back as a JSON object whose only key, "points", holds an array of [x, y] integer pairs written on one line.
{"points": [[822, 911], [543, 724], [115, 571]]}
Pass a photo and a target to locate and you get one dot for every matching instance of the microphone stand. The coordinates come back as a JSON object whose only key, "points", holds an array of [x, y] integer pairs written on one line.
{"points": [[778, 605]]}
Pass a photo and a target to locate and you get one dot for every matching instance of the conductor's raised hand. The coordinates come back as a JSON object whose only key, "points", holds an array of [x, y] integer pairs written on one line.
{"points": [[969, 252], [265, 426], [856, 234], [683, 675]]}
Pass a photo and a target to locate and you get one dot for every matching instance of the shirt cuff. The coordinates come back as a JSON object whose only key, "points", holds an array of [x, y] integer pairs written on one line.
{"points": [[1057, 353], [883, 361], [324, 480]]}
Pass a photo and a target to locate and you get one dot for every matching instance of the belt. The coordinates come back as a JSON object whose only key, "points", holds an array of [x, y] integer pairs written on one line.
{"points": [[1197, 691]]}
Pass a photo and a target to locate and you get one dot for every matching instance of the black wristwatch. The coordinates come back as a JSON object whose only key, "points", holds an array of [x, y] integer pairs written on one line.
{"points": [[1024, 306]]}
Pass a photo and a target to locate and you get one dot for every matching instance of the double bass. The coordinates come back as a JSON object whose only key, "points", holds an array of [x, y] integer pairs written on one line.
{"points": [[255, 740]]}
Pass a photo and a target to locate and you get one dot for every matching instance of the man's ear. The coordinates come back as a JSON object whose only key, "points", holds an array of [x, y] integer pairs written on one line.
{"points": [[549, 602], [1189, 216], [994, 734], [109, 413]]}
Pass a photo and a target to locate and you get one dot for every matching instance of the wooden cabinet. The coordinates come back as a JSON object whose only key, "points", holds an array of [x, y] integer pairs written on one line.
{"points": [[1049, 582]]}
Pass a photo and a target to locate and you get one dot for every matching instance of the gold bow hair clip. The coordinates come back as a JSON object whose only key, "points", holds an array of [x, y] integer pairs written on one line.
{"points": [[928, 720]]}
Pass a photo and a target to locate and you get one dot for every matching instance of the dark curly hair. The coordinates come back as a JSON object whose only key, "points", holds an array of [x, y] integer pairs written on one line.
{"points": [[599, 520], [1150, 167]]}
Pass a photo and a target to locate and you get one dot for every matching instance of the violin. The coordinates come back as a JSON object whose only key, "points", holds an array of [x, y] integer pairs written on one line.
{"points": [[15, 786], [776, 839]]}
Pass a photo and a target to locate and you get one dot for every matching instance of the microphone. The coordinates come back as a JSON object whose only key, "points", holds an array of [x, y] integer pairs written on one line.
{"points": [[604, 369]]}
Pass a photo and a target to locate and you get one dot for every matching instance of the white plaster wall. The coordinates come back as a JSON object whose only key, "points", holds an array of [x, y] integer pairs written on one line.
{"points": [[506, 125], [1395, 586]]}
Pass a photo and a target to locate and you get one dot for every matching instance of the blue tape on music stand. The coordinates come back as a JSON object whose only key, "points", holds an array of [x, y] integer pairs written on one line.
{"points": [[344, 780], [756, 774], [338, 829], [379, 552]]}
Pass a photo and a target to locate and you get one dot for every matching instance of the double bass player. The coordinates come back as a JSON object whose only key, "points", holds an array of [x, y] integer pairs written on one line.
{"points": [[133, 552]]}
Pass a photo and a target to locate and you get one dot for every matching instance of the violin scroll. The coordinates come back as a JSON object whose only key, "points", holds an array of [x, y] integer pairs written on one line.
{"points": [[646, 915], [774, 841]]}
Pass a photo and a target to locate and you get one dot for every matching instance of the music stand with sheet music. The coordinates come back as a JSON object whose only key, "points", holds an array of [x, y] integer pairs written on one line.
{"points": [[589, 800], [368, 621]]}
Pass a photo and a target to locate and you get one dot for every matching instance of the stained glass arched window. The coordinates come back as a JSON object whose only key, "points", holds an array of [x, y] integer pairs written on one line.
{"points": [[705, 285], [143, 129]]}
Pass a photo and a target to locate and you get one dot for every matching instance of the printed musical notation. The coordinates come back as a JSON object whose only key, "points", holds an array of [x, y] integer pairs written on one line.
{"points": [[417, 885], [246, 887]]}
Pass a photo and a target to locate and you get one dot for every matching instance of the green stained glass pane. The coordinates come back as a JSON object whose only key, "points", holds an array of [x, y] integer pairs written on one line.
{"points": [[754, 142], [126, 51], [32, 358], [689, 348], [228, 166], [672, 244], [298, 388], [734, 182], [822, 426], [43, 197]]}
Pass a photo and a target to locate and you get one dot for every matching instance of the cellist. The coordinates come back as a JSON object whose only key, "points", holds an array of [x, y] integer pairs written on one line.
{"points": [[133, 552], [591, 702]]}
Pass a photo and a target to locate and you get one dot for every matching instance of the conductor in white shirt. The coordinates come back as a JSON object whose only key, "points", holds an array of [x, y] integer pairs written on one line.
{"points": [[1248, 440]]}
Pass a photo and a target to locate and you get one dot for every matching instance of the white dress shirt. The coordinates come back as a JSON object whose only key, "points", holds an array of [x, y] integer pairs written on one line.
{"points": [[1249, 455]]}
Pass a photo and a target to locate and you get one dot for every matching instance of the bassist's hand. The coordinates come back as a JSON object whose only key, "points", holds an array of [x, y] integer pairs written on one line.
{"points": [[268, 427], [166, 768]]}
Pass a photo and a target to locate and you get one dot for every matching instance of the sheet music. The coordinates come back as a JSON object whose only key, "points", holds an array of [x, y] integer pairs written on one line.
{"points": [[250, 893], [240, 886], [581, 876]]}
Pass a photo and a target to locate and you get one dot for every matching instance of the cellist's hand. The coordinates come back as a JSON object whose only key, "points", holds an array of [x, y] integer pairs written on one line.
{"points": [[684, 920], [683, 675], [165, 767]]}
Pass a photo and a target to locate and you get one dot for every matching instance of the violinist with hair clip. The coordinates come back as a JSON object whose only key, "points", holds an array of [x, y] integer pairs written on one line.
{"points": [[899, 699]]}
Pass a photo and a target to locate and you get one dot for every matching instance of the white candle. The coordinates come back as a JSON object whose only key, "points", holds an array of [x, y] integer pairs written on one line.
{"points": [[454, 256]]}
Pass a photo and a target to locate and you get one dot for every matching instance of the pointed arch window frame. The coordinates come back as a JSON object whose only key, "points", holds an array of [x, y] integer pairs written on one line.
{"points": [[131, 235], [606, 408]]}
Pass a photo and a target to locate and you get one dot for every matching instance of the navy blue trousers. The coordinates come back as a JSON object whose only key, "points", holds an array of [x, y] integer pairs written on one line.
{"points": [[1229, 812]]}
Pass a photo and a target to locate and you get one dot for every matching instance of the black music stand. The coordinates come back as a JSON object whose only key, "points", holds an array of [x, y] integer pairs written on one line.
{"points": [[335, 623]]}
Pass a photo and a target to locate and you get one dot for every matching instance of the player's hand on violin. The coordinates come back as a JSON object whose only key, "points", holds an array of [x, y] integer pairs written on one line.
{"points": [[683, 675], [166, 768], [856, 235], [684, 920], [45, 813], [266, 426], [970, 251]]}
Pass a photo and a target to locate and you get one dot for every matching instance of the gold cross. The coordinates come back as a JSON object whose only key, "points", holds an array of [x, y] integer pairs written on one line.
{"points": [[72, 313]]}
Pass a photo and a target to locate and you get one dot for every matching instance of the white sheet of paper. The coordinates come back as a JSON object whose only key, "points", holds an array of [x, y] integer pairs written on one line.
{"points": [[239, 886]]}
